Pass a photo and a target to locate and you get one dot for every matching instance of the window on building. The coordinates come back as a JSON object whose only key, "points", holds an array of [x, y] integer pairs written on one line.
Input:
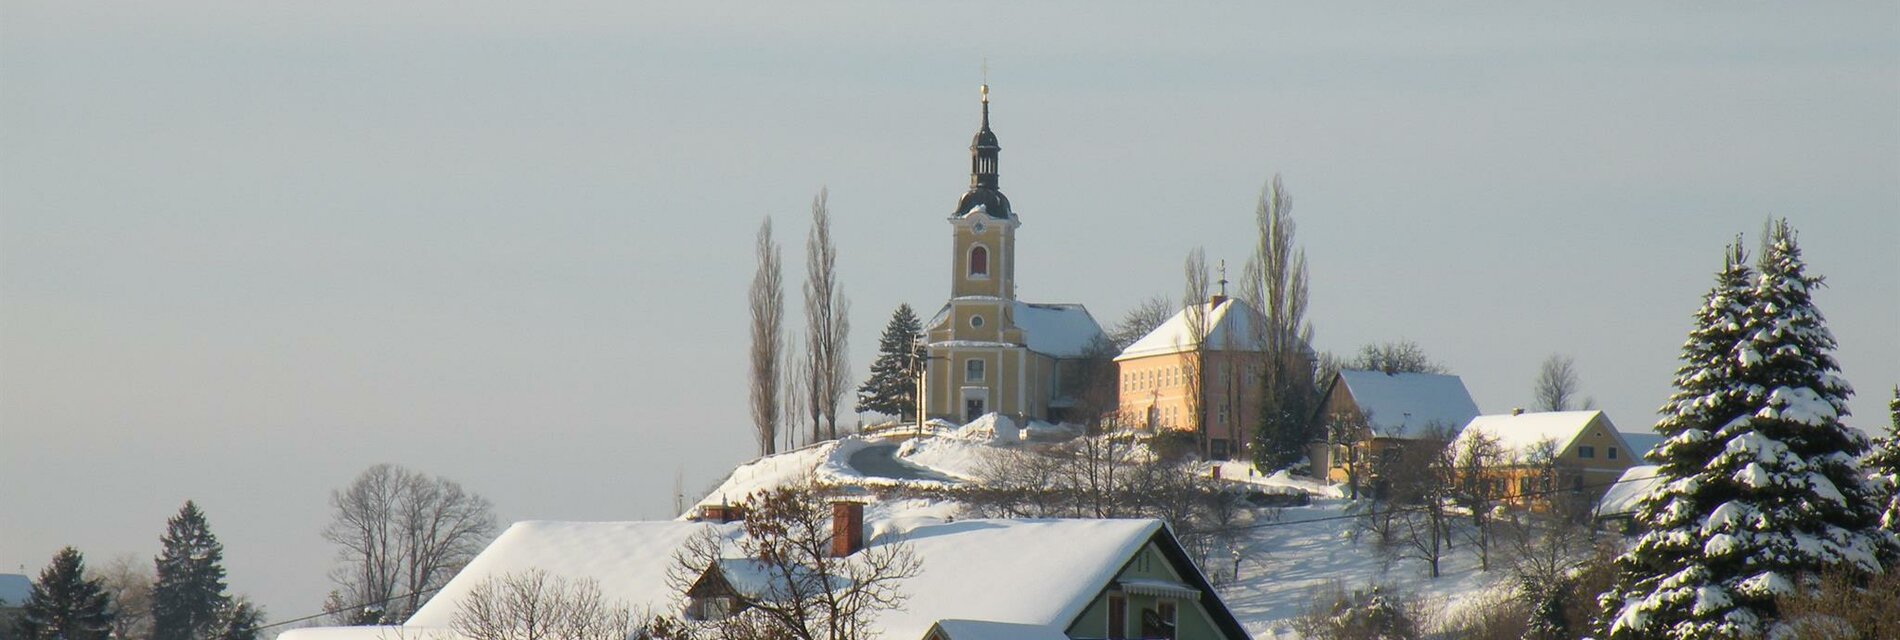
{"points": [[1526, 485], [1586, 451], [1159, 622], [1223, 415], [979, 261], [973, 370], [1611, 453], [1117, 616]]}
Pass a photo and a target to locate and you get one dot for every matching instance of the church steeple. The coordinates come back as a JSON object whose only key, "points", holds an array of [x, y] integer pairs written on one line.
{"points": [[984, 149]]}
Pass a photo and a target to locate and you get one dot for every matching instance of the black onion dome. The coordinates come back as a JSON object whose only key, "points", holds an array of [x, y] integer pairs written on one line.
{"points": [[994, 202], [983, 170]]}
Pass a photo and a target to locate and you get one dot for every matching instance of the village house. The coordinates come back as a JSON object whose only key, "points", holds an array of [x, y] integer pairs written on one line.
{"points": [[1369, 416], [988, 351], [1057, 579], [1218, 347], [1544, 452]]}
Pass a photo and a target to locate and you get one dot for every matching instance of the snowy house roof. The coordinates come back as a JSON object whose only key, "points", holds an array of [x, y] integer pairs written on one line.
{"points": [[1401, 405], [985, 630], [1621, 499], [1059, 330], [14, 590], [1519, 434], [1231, 326], [1026, 573], [1641, 442]]}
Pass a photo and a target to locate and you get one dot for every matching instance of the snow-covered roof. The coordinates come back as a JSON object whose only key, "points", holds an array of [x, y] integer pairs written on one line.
{"points": [[1622, 497], [985, 630], [1029, 573], [1060, 330], [1403, 405], [1231, 326], [1519, 434], [1641, 442], [14, 589]]}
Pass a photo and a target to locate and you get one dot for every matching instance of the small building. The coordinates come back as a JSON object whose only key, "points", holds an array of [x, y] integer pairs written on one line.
{"points": [[1367, 414], [14, 590], [1550, 451], [1157, 374], [1618, 505]]}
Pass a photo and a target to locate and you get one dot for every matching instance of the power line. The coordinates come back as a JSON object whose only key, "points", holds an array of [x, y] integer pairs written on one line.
{"points": [[359, 607], [1533, 494]]}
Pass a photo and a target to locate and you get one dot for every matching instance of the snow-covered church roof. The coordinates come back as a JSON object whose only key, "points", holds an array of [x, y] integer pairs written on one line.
{"points": [[1059, 330], [1406, 405], [1026, 573], [1519, 434], [1231, 326]]}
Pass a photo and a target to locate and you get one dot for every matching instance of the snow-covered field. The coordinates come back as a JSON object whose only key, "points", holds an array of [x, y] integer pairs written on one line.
{"points": [[1281, 563]]}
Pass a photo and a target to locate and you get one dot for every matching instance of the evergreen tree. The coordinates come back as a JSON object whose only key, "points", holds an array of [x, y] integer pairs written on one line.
{"points": [[892, 387], [64, 604], [1641, 603], [238, 619], [1781, 498], [1883, 463], [189, 595]]}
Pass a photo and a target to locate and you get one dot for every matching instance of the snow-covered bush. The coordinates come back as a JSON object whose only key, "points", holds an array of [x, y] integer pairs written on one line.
{"points": [[1375, 612]]}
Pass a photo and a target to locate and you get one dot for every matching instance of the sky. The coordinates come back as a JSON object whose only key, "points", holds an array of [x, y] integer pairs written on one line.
{"points": [[249, 249]]}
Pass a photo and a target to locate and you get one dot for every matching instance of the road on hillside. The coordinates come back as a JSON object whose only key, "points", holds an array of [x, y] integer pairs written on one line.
{"points": [[880, 460]]}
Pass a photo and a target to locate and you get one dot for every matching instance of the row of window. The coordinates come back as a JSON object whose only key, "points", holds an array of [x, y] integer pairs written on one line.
{"points": [[1171, 376], [1587, 451]]}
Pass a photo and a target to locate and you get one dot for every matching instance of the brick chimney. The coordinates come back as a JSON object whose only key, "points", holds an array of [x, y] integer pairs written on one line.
{"points": [[722, 512], [847, 528]]}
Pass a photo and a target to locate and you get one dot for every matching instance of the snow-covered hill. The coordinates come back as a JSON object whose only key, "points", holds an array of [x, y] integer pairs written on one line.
{"points": [[1282, 562]]}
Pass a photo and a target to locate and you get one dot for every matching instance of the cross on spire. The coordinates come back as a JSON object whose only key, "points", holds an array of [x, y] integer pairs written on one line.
{"points": [[1223, 277]]}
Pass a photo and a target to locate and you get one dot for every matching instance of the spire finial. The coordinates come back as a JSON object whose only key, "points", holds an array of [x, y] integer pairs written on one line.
{"points": [[986, 80], [1223, 278]]}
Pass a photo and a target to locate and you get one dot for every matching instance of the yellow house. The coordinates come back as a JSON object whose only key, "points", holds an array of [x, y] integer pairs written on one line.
{"points": [[1367, 414], [1157, 374], [1583, 447], [989, 352]]}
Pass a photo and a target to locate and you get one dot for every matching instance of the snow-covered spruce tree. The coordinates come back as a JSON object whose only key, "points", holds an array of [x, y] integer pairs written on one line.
{"points": [[892, 387], [1883, 463], [1780, 501], [1657, 585], [64, 605], [189, 595]]}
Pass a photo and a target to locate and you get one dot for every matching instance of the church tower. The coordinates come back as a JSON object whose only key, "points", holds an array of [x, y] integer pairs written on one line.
{"points": [[989, 352]]}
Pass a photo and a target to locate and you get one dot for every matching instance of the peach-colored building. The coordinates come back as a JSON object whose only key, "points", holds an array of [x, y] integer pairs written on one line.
{"points": [[1158, 373], [1584, 447], [1381, 411]]}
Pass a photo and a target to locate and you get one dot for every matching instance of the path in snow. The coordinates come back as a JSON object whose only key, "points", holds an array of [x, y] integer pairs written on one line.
{"points": [[880, 460]]}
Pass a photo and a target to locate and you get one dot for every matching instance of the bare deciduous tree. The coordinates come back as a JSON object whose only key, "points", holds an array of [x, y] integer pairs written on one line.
{"points": [[795, 396], [1193, 351], [1480, 461], [401, 533], [810, 595], [827, 323], [767, 301], [1423, 484], [1276, 281], [1402, 356], [1147, 314], [128, 581], [1558, 385], [536, 606]]}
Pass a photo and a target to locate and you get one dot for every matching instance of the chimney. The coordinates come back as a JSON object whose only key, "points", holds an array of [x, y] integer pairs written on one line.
{"points": [[847, 528], [1215, 300], [1517, 411], [722, 513]]}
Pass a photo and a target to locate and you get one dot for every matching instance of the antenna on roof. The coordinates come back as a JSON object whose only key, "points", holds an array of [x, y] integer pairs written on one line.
{"points": [[1223, 277]]}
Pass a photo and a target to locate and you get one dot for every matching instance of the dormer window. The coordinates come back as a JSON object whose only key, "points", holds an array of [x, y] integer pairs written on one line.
{"points": [[979, 262]]}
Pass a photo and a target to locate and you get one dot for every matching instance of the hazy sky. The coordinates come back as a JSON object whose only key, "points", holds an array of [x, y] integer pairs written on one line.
{"points": [[248, 249]]}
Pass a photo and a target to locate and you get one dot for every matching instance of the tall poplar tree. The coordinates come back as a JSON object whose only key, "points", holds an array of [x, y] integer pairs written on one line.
{"points": [[767, 301], [64, 605], [189, 596]]}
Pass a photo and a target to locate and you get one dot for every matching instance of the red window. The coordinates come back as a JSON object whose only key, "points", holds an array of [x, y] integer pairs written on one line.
{"points": [[979, 261]]}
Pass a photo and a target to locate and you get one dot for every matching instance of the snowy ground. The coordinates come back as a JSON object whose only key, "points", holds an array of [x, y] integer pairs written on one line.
{"points": [[1281, 564]]}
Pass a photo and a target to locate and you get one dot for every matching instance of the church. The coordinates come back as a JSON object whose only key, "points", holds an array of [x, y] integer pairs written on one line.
{"points": [[988, 351]]}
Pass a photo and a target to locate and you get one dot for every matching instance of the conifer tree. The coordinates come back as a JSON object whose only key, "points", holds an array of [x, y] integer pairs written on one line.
{"points": [[64, 605], [1781, 498], [1883, 463], [892, 387], [1640, 602], [189, 595]]}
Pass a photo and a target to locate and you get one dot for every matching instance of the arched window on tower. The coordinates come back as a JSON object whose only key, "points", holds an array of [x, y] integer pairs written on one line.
{"points": [[979, 261]]}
